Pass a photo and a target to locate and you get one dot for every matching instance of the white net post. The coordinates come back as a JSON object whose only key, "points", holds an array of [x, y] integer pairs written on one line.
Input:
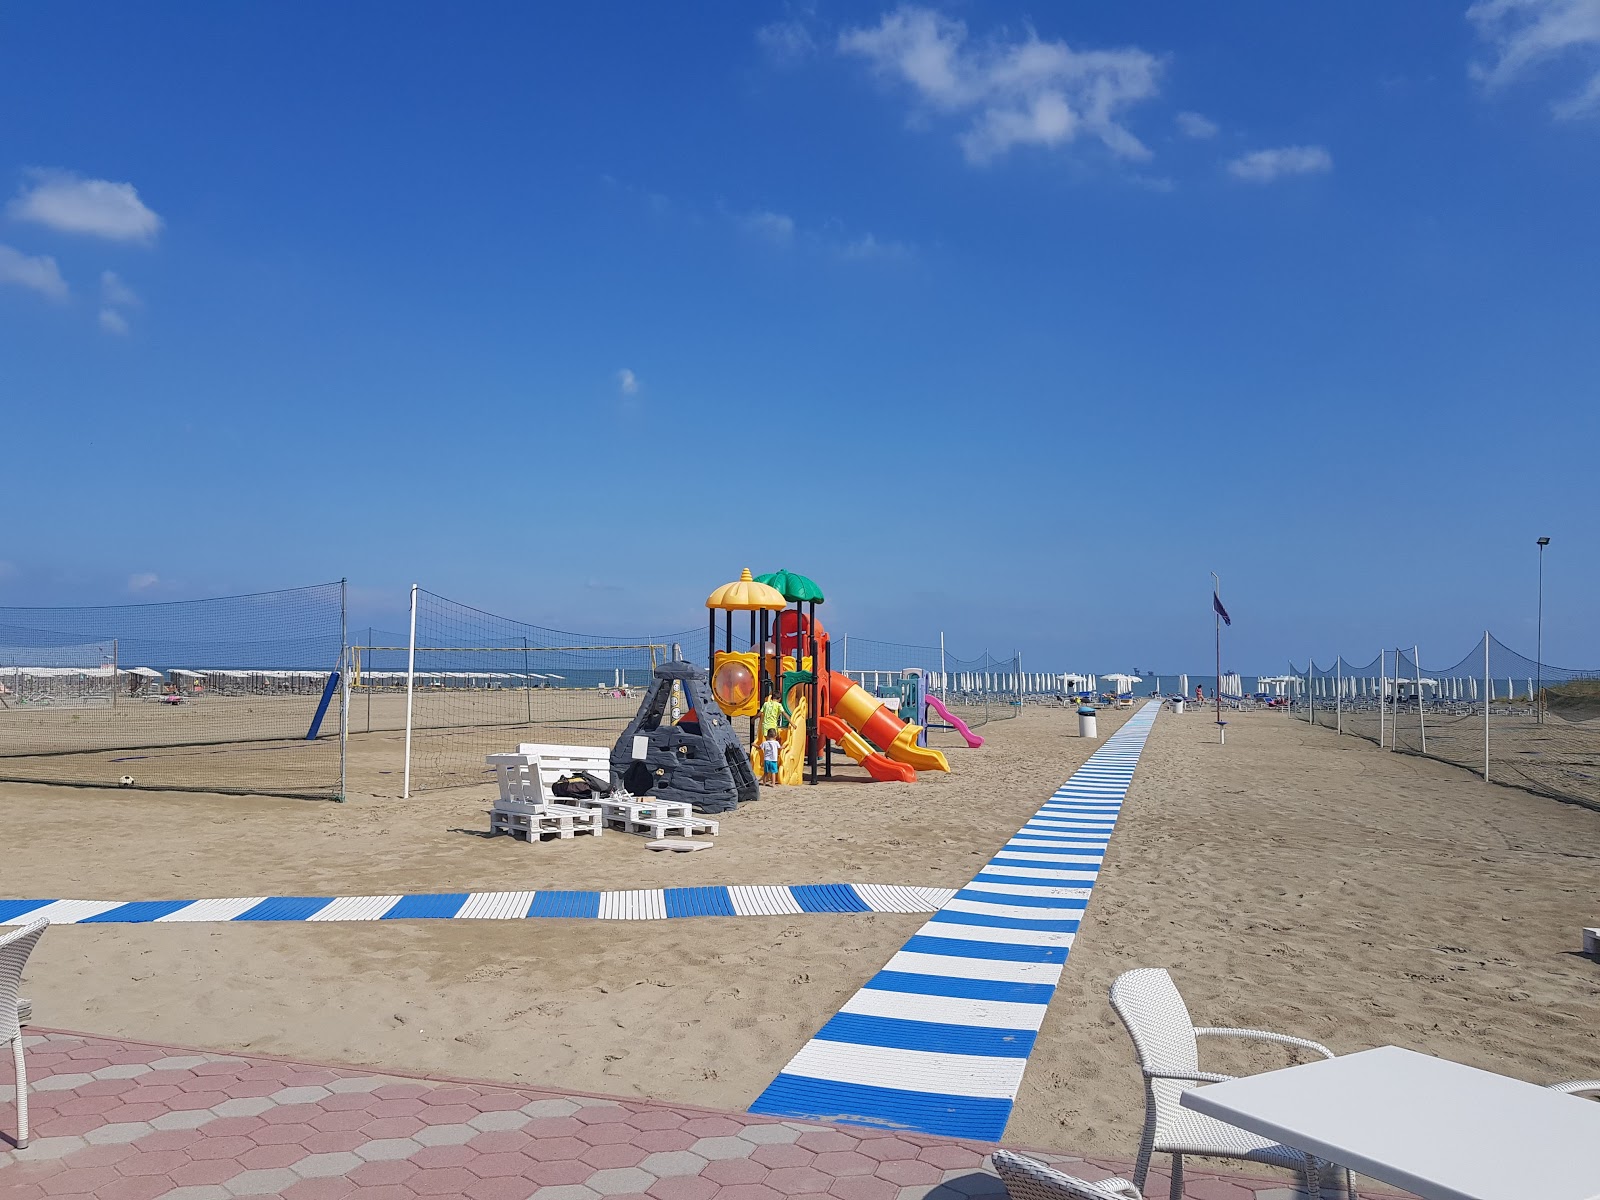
{"points": [[1488, 693], [344, 687], [411, 691]]}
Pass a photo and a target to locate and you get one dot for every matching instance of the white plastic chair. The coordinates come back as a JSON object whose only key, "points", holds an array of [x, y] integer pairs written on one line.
{"points": [[1166, 1040], [1029, 1179], [1578, 1087], [14, 950]]}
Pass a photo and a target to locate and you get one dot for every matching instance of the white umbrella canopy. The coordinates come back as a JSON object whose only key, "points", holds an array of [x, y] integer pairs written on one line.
{"points": [[1123, 682]]}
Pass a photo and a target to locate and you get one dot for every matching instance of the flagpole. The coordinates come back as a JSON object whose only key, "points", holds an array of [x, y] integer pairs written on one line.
{"points": [[1216, 619]]}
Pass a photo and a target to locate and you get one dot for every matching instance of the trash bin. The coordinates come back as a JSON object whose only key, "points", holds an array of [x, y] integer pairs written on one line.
{"points": [[1177, 707], [1086, 723]]}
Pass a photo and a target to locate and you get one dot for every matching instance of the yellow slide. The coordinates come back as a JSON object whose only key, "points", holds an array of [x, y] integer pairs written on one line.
{"points": [[792, 758], [904, 749]]}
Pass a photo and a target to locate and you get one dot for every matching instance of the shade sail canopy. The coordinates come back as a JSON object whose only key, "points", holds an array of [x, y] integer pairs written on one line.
{"points": [[745, 594], [793, 587]]}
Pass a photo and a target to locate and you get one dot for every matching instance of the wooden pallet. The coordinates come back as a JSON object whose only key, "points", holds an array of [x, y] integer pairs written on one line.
{"points": [[660, 827], [535, 821]]}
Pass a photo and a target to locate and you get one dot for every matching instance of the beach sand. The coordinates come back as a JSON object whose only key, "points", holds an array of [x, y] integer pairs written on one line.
{"points": [[1292, 880]]}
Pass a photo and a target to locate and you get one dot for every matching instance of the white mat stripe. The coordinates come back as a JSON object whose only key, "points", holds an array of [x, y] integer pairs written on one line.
{"points": [[495, 906], [911, 1070], [990, 933], [355, 908], [951, 966], [70, 912], [757, 900], [642, 904], [945, 1010], [213, 910]]}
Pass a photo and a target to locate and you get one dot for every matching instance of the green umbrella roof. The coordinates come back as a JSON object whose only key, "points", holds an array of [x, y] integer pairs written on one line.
{"points": [[794, 587]]}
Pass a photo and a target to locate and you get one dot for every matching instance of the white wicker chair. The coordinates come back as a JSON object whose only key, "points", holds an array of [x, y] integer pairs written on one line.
{"points": [[1578, 1087], [14, 950], [1029, 1179], [1165, 1038]]}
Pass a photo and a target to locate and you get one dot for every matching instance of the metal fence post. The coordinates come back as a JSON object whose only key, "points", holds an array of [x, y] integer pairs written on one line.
{"points": [[344, 687], [1383, 691], [1422, 723], [1488, 693], [411, 689]]}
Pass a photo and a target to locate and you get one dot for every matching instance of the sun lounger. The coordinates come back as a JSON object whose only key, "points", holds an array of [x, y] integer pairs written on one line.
{"points": [[1028, 1179]]}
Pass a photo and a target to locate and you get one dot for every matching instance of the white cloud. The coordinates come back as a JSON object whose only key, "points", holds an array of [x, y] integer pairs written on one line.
{"points": [[115, 293], [775, 226], [69, 203], [786, 42], [37, 273], [627, 382], [1019, 91], [143, 581], [1527, 34], [1193, 124], [112, 321], [866, 246], [1263, 166]]}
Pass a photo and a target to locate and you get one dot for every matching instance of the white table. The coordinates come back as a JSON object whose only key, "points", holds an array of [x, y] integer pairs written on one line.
{"points": [[1433, 1127]]}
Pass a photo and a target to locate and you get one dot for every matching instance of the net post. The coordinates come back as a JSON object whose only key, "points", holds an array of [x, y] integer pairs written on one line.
{"points": [[114, 674], [344, 687], [1338, 694], [1383, 690], [411, 688], [1422, 723], [944, 688], [1488, 690]]}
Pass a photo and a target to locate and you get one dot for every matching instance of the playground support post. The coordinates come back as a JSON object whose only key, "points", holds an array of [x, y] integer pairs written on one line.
{"points": [[411, 691]]}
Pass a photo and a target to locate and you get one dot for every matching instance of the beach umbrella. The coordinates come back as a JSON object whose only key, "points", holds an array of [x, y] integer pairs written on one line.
{"points": [[1183, 685]]}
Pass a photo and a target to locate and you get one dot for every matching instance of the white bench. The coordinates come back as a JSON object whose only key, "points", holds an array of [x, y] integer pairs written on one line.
{"points": [[528, 806]]}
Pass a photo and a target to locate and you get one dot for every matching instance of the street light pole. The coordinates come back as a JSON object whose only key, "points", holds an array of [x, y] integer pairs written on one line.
{"points": [[1538, 653]]}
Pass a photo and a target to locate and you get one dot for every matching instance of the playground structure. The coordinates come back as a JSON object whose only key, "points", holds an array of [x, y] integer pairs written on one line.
{"points": [[790, 660]]}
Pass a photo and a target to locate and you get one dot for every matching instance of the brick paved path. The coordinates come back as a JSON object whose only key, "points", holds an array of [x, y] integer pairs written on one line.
{"points": [[122, 1120]]}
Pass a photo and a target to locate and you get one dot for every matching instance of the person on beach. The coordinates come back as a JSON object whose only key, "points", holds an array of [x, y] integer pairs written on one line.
{"points": [[771, 712], [769, 758]]}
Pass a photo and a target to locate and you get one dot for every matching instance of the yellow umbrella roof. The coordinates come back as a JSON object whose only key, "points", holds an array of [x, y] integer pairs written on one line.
{"points": [[745, 593]]}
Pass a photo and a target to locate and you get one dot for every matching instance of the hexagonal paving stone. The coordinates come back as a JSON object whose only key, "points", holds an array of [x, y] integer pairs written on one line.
{"points": [[886, 1148], [842, 1163], [269, 1182], [438, 1157], [317, 1166], [782, 1155], [655, 1118], [793, 1181], [568, 1192], [864, 1187], [733, 1171], [683, 1187], [950, 1157], [357, 1083], [549, 1108], [723, 1147], [446, 1181], [444, 1135], [673, 1162], [822, 1140], [909, 1173], [388, 1148], [619, 1181], [260, 1158], [561, 1172], [122, 1132], [495, 1119], [502, 1188], [771, 1133]]}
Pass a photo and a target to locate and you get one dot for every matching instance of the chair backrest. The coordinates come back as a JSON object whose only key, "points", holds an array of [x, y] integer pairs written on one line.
{"points": [[1029, 1179], [14, 950], [1158, 1021]]}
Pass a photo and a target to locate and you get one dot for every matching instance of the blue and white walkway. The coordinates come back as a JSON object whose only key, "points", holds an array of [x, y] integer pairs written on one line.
{"points": [[642, 904], [938, 1040]]}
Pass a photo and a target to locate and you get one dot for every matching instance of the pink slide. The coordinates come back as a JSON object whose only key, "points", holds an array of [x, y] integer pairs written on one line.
{"points": [[954, 721]]}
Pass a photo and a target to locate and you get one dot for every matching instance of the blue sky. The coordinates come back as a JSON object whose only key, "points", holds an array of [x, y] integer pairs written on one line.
{"points": [[1012, 322]]}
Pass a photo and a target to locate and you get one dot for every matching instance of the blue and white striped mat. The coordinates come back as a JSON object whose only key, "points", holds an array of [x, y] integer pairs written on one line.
{"points": [[938, 1040], [642, 904]]}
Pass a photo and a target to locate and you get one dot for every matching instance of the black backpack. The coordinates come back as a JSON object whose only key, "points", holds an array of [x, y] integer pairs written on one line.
{"points": [[583, 785]]}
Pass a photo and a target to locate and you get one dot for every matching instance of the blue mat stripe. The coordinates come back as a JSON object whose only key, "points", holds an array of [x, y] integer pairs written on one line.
{"points": [[137, 912], [15, 912], [928, 1036], [963, 1086], [285, 908], [675, 902], [447, 904], [971, 1117]]}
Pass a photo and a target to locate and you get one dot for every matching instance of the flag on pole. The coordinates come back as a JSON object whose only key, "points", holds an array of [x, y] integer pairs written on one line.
{"points": [[1216, 603]]}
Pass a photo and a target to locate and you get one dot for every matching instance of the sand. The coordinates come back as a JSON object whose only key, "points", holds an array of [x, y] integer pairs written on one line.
{"points": [[1293, 880]]}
